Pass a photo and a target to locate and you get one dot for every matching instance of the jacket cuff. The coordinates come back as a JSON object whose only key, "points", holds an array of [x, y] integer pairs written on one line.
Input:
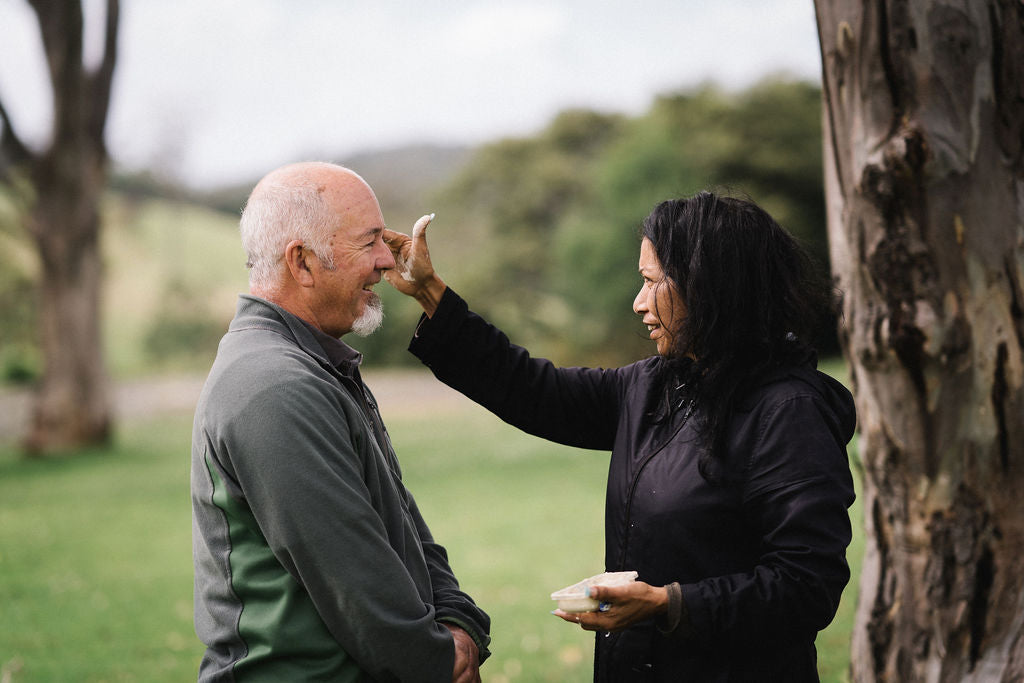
{"points": [[676, 620], [432, 331], [482, 640]]}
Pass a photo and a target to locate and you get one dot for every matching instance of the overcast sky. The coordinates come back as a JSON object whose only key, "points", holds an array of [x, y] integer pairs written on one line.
{"points": [[218, 91]]}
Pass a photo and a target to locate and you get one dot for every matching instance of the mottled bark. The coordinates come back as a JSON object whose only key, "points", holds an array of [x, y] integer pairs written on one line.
{"points": [[72, 406], [924, 114]]}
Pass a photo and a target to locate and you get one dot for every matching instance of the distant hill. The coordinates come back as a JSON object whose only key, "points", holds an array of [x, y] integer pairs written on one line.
{"points": [[404, 179], [412, 171]]}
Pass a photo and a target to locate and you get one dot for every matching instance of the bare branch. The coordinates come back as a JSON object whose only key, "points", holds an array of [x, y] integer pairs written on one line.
{"points": [[102, 80], [61, 27]]}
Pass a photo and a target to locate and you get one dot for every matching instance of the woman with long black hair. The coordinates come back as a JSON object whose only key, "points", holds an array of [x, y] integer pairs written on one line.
{"points": [[728, 485]]}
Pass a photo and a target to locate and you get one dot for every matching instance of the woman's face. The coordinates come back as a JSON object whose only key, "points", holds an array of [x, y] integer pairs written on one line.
{"points": [[657, 302]]}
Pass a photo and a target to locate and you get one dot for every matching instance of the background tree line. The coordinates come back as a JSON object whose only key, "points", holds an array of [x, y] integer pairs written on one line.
{"points": [[538, 232]]}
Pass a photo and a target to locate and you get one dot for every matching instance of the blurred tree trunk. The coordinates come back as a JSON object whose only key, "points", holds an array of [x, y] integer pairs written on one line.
{"points": [[924, 159], [66, 180]]}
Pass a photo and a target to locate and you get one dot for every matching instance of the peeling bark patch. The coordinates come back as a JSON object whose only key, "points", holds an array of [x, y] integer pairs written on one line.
{"points": [[1000, 392], [1016, 296], [957, 341], [894, 42], [1008, 77], [960, 573], [908, 343], [983, 578], [901, 265], [880, 625]]}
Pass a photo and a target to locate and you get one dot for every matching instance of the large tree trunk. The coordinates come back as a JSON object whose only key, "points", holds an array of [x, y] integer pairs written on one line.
{"points": [[73, 406], [924, 158]]}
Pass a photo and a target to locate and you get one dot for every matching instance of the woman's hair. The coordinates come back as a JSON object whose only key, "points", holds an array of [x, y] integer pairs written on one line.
{"points": [[277, 213], [752, 298]]}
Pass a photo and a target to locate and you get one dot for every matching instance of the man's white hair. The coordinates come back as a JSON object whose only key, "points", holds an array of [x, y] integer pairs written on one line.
{"points": [[278, 212]]}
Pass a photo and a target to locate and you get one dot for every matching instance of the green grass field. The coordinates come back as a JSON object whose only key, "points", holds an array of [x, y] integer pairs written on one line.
{"points": [[95, 565]]}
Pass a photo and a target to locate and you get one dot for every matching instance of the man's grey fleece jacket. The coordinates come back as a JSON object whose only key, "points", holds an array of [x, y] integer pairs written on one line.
{"points": [[312, 561]]}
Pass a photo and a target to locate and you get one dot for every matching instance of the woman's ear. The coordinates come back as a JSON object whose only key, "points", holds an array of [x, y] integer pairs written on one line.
{"points": [[298, 258]]}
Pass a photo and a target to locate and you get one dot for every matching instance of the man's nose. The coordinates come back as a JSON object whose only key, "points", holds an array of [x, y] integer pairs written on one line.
{"points": [[385, 259]]}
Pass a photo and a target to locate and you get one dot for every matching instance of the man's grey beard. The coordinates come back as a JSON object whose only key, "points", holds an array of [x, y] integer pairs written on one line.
{"points": [[371, 319]]}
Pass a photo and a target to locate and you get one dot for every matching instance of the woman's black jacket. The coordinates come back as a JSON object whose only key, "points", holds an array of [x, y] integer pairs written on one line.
{"points": [[760, 554]]}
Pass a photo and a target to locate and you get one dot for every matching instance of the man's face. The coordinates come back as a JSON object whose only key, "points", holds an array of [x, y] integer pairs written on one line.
{"points": [[344, 295]]}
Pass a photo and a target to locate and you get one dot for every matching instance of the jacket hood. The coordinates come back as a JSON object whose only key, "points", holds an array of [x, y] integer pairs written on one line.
{"points": [[801, 364], [835, 395]]}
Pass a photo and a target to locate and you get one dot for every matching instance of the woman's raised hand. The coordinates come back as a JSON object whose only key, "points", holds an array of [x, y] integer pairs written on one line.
{"points": [[413, 273]]}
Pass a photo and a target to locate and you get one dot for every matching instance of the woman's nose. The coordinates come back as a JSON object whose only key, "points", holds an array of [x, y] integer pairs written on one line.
{"points": [[640, 302]]}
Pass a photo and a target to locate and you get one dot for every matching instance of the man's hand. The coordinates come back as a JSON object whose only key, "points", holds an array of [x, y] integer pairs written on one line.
{"points": [[413, 274], [622, 606], [467, 656]]}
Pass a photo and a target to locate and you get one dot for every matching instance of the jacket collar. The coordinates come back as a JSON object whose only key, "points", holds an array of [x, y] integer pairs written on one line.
{"points": [[256, 312]]}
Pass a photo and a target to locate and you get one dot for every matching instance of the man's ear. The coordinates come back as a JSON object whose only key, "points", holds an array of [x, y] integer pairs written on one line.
{"points": [[298, 258]]}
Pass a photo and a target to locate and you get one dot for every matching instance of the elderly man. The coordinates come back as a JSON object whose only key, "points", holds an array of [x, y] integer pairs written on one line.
{"points": [[312, 561]]}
